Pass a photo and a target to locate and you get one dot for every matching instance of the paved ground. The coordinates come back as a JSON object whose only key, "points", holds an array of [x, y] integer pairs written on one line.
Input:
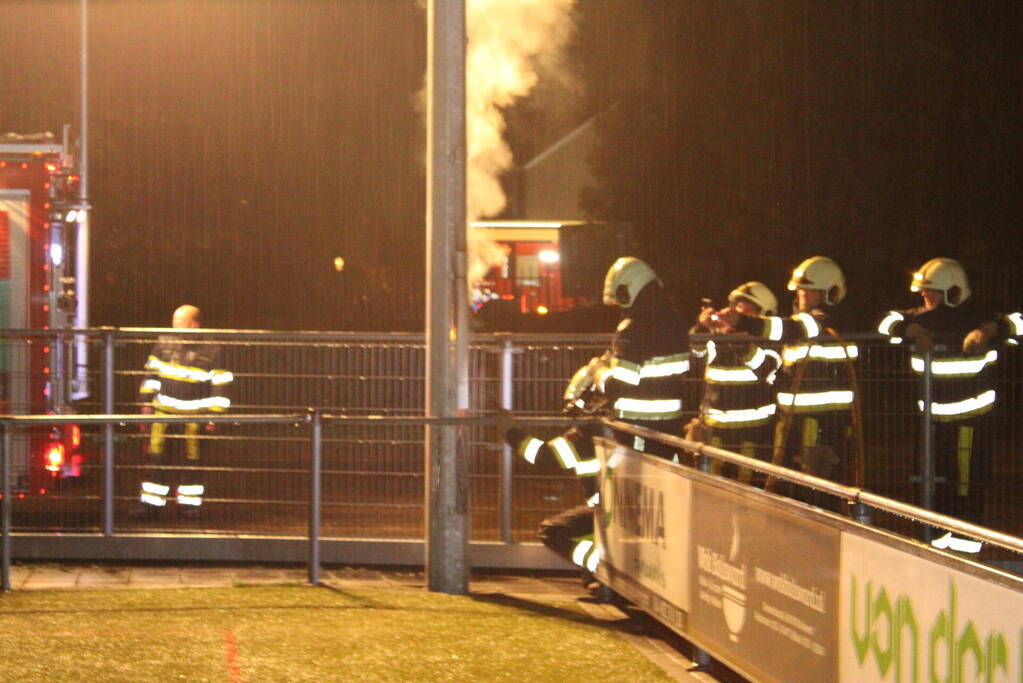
{"points": [[658, 644]]}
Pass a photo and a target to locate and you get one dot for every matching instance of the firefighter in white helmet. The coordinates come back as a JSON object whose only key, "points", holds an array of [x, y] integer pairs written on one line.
{"points": [[181, 378], [644, 377], [815, 389], [960, 340], [570, 533], [737, 409]]}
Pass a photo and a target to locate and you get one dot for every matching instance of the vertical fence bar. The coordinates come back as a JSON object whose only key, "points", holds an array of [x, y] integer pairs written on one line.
{"points": [[927, 442], [108, 433], [506, 451], [315, 466], [5, 510]]}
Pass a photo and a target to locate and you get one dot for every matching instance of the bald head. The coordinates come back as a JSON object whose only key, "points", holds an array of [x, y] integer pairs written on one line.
{"points": [[186, 316]]}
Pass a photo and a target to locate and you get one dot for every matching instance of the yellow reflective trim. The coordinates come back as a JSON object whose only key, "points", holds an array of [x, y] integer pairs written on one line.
{"points": [[810, 324], [740, 417], [825, 352], [815, 399], [757, 359], [593, 561], [221, 377], [530, 450], [594, 500], [624, 374], [665, 368], [730, 375], [564, 451], [885, 326], [214, 403], [775, 328], [1016, 320], [191, 490], [961, 366], [150, 499], [587, 467], [194, 501], [580, 551], [966, 407], [150, 386], [183, 373], [655, 409], [155, 489]]}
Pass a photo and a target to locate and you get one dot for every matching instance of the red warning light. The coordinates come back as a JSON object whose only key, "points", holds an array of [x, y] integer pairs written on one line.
{"points": [[76, 437], [54, 457]]}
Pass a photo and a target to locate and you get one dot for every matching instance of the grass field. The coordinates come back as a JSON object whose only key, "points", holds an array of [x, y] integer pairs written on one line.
{"points": [[304, 633]]}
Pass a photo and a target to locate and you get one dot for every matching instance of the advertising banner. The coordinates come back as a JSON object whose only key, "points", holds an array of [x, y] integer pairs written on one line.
{"points": [[908, 618], [765, 586], [643, 531]]}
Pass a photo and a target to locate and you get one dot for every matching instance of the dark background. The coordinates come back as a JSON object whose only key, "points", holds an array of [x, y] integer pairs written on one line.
{"points": [[238, 146]]}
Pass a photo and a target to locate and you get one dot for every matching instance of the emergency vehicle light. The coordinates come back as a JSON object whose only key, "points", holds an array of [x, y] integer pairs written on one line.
{"points": [[54, 458], [56, 254], [549, 256], [76, 437]]}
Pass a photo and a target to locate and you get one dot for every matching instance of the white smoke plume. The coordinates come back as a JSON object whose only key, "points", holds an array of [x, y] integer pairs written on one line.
{"points": [[512, 44]]}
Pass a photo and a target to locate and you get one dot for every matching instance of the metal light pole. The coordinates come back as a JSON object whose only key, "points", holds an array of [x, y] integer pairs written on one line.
{"points": [[446, 479], [80, 383]]}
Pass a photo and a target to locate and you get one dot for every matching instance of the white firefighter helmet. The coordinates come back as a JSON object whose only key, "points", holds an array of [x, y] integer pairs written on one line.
{"points": [[820, 273], [944, 275], [757, 293], [625, 279]]}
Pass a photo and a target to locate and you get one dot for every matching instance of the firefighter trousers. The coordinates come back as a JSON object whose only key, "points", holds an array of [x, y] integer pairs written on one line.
{"points": [[171, 465], [962, 467]]}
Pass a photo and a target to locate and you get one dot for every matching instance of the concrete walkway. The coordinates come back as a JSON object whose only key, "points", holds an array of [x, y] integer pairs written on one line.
{"points": [[660, 647]]}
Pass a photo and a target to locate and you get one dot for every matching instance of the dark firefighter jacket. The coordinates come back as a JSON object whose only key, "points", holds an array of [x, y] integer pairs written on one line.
{"points": [[816, 373], [645, 378], [572, 451], [962, 385], [185, 377], [738, 379]]}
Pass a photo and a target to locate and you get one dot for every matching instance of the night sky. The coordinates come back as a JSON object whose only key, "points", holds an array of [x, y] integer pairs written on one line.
{"points": [[238, 146]]}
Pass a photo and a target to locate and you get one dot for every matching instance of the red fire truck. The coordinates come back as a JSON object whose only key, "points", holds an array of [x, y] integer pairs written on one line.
{"points": [[40, 215]]}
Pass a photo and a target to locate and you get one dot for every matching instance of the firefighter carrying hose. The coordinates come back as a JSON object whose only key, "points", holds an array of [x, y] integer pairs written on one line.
{"points": [[643, 378], [737, 409], [815, 389], [181, 378], [570, 532], [960, 339]]}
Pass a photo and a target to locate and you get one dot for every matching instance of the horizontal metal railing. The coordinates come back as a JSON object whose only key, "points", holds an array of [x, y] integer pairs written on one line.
{"points": [[315, 419], [857, 496]]}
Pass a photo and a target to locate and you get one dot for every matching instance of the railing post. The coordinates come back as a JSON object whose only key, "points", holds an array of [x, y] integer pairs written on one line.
{"points": [[927, 442], [108, 432], [5, 510], [315, 467], [507, 366]]}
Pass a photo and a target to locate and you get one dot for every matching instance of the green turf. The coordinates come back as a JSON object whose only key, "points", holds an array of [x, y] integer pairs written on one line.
{"points": [[303, 633]]}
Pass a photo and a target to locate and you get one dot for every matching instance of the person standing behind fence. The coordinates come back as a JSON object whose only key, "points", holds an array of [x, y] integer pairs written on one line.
{"points": [[181, 378], [959, 337], [737, 409], [816, 391], [644, 375]]}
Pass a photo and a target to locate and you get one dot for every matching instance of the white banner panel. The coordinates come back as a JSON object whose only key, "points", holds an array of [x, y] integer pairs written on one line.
{"points": [[905, 618], [643, 530]]}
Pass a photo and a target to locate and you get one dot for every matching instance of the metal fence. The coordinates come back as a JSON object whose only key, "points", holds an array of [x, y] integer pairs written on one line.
{"points": [[257, 474]]}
